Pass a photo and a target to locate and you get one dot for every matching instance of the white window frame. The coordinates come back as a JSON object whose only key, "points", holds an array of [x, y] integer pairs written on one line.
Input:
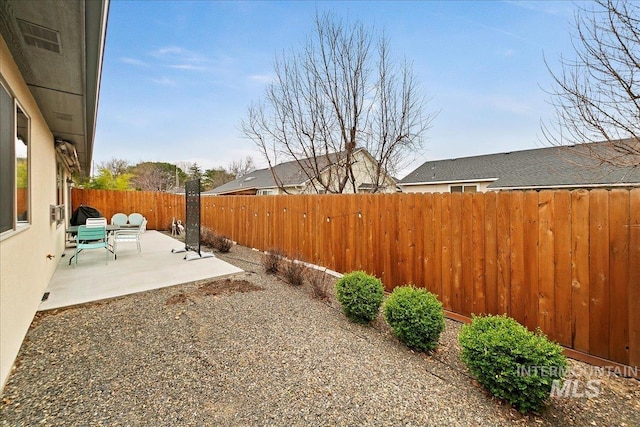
{"points": [[16, 225], [463, 188]]}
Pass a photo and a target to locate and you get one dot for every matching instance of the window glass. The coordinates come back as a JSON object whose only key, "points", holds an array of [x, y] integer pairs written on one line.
{"points": [[14, 164], [22, 167], [60, 185], [456, 188], [470, 188], [7, 167]]}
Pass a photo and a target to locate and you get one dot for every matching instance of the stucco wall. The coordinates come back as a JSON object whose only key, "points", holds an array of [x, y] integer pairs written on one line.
{"points": [[25, 270]]}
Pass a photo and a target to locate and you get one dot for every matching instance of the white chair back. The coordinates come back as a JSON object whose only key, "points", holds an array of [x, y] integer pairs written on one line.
{"points": [[135, 219], [96, 222]]}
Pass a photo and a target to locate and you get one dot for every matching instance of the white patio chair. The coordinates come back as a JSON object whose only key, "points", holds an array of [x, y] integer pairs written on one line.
{"points": [[131, 235], [135, 219], [96, 222], [119, 219]]}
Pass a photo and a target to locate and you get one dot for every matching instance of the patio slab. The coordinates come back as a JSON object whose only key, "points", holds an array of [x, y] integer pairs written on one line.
{"points": [[156, 267]]}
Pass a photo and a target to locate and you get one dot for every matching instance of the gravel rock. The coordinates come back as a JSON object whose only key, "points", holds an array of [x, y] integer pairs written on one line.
{"points": [[263, 353]]}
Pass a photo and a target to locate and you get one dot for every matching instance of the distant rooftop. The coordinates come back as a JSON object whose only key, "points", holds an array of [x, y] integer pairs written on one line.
{"points": [[290, 174], [549, 167]]}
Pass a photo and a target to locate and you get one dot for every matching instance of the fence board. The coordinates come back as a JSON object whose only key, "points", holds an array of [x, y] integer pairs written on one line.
{"points": [[619, 274], [634, 278], [562, 272], [455, 217], [418, 243], [530, 224], [467, 254], [437, 245], [446, 248], [516, 225], [546, 277], [427, 236], [580, 302], [491, 252], [567, 262], [599, 273], [479, 258], [404, 246], [504, 252]]}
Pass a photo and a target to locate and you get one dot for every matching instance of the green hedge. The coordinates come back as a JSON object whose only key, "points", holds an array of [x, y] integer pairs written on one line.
{"points": [[513, 363], [415, 316], [360, 295]]}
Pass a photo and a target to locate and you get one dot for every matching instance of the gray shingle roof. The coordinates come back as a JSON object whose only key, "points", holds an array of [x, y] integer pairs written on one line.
{"points": [[290, 174], [543, 167]]}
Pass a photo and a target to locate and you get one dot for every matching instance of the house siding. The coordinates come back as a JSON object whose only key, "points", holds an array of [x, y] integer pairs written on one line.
{"points": [[443, 187], [24, 267], [364, 173]]}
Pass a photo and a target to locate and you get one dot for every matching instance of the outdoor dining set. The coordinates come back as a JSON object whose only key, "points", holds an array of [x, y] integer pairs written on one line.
{"points": [[97, 233]]}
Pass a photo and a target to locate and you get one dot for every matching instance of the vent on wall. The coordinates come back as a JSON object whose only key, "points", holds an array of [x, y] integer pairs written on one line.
{"points": [[37, 36]]}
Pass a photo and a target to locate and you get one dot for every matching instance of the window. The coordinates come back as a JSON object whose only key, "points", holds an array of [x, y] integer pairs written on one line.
{"points": [[463, 188], [14, 164], [60, 184], [266, 192]]}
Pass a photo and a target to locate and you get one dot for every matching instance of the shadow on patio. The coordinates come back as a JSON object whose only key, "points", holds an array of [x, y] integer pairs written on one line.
{"points": [[156, 267]]}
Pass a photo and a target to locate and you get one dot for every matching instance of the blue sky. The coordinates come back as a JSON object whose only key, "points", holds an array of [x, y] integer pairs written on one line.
{"points": [[178, 76]]}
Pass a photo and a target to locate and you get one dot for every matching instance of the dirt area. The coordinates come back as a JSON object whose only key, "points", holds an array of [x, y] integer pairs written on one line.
{"points": [[215, 288]]}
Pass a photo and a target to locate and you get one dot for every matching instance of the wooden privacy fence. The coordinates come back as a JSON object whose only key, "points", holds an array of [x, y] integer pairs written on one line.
{"points": [[567, 262], [158, 208]]}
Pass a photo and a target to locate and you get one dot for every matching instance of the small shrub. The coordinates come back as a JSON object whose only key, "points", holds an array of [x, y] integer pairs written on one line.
{"points": [[271, 260], [319, 282], [415, 316], [222, 243], [513, 363], [206, 236], [360, 295], [293, 273]]}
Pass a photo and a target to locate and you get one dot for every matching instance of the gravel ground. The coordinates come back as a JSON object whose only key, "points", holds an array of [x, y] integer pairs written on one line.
{"points": [[253, 354]]}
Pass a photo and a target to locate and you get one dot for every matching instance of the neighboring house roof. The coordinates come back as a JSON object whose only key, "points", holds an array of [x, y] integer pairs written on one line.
{"points": [[290, 174], [549, 167], [58, 47]]}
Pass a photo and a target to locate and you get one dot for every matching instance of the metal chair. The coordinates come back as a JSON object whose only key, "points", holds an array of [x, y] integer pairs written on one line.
{"points": [[135, 219], [128, 236], [119, 219], [91, 238], [96, 222]]}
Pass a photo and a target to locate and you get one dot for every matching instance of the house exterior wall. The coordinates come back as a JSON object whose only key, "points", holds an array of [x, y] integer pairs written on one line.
{"points": [[443, 187], [25, 270], [364, 173]]}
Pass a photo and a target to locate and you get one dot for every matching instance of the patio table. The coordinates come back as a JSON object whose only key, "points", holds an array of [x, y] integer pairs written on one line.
{"points": [[73, 229]]}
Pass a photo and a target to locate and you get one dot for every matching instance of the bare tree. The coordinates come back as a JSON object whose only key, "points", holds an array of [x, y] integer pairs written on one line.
{"points": [[342, 91], [596, 95], [153, 176], [115, 166], [241, 167]]}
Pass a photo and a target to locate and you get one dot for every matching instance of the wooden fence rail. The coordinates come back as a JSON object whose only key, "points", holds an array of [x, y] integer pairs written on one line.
{"points": [[567, 262]]}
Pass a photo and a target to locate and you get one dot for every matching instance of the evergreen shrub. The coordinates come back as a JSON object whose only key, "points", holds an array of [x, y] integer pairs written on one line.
{"points": [[513, 363], [415, 316], [360, 295]]}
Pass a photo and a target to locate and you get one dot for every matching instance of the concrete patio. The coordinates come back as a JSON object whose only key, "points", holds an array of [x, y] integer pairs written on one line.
{"points": [[155, 267]]}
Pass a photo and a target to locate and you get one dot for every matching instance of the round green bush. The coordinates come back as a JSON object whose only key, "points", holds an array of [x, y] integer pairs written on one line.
{"points": [[513, 363], [415, 316], [360, 295]]}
